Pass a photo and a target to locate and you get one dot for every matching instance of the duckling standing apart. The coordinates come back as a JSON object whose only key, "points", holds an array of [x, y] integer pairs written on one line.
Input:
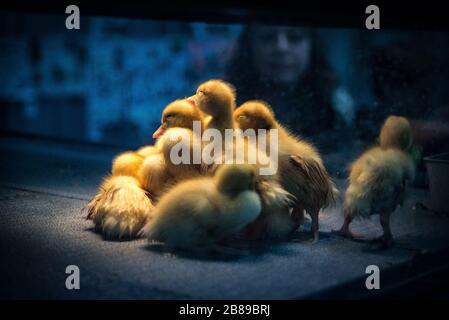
{"points": [[378, 178], [198, 213], [301, 169], [216, 99]]}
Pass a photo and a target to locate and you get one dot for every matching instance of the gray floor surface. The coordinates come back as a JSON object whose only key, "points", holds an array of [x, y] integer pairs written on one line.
{"points": [[44, 187]]}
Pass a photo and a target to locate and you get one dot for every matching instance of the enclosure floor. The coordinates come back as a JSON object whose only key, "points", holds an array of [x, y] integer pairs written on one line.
{"points": [[44, 187]]}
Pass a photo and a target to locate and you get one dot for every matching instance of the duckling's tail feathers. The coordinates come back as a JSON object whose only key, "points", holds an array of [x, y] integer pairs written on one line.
{"points": [[120, 207], [272, 193]]}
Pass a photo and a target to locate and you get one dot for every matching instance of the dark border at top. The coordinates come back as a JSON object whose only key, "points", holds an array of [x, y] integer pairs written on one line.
{"points": [[405, 15]]}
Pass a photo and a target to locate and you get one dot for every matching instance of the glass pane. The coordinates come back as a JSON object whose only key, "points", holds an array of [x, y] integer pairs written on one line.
{"points": [[109, 81]]}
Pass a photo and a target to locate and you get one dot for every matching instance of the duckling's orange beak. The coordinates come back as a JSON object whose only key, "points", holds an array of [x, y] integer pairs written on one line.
{"points": [[191, 100], [159, 132]]}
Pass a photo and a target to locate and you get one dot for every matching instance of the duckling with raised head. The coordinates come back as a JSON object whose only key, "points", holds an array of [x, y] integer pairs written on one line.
{"points": [[378, 179], [199, 212], [300, 168], [216, 99]]}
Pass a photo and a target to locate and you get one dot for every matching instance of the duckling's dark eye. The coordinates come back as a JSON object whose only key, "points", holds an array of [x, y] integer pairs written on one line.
{"points": [[169, 117], [200, 92], [242, 117]]}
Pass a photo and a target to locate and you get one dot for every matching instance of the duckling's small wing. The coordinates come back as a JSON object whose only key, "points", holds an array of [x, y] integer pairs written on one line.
{"points": [[319, 178]]}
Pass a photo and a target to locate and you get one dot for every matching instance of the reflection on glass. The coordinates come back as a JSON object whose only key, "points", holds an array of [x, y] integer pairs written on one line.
{"points": [[109, 81]]}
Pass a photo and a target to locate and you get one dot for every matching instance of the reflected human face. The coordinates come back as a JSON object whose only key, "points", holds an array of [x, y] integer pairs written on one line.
{"points": [[281, 54]]}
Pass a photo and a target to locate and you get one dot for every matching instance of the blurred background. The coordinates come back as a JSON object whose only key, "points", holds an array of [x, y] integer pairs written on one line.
{"points": [[108, 82]]}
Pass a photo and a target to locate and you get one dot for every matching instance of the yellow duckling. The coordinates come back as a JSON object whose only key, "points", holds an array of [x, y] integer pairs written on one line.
{"points": [[300, 169], [120, 208], [158, 171], [127, 164], [378, 178], [124, 201], [199, 212], [216, 99]]}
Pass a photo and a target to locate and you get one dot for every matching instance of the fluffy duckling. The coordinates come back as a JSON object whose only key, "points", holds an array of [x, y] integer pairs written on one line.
{"points": [[124, 200], [120, 208], [216, 98], [147, 151], [127, 164], [178, 114], [198, 213], [301, 169], [157, 172], [378, 178]]}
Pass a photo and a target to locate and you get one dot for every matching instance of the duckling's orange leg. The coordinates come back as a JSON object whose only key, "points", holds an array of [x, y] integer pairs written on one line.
{"points": [[344, 230], [297, 216], [386, 240]]}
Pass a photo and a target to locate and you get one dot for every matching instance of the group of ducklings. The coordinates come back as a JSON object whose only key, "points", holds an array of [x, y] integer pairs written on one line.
{"points": [[195, 206]]}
